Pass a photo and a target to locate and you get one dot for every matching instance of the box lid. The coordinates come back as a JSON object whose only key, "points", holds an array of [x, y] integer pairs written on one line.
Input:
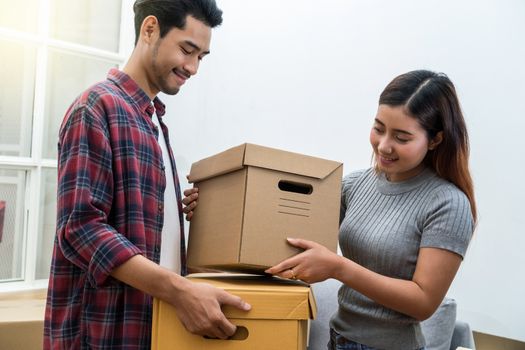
{"points": [[249, 154], [270, 297]]}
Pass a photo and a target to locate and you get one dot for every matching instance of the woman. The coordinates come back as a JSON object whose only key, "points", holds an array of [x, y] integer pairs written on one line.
{"points": [[405, 223]]}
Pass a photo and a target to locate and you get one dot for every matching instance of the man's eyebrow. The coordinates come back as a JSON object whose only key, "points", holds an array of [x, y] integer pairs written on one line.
{"points": [[396, 130], [195, 46]]}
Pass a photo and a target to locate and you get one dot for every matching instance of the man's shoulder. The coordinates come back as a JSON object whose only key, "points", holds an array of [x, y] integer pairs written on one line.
{"points": [[103, 92], [101, 100], [95, 104]]}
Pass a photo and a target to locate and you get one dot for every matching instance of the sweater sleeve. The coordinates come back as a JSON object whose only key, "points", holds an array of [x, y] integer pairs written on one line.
{"points": [[85, 196], [449, 224]]}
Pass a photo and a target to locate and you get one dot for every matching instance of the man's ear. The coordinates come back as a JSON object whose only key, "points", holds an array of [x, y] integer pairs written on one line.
{"points": [[435, 141], [149, 30]]}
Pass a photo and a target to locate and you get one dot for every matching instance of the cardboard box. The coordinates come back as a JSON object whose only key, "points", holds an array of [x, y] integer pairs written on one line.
{"points": [[278, 318], [22, 319], [251, 198], [2, 216]]}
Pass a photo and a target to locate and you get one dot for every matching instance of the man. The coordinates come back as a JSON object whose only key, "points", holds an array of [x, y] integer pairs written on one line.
{"points": [[115, 187]]}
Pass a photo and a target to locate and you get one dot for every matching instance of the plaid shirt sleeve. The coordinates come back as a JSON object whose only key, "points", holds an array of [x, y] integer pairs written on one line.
{"points": [[85, 198]]}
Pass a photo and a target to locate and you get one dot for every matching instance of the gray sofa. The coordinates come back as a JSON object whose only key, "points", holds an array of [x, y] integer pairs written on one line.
{"points": [[442, 331]]}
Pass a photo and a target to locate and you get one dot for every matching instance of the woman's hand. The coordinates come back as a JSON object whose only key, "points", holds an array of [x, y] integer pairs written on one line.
{"points": [[190, 202], [317, 263]]}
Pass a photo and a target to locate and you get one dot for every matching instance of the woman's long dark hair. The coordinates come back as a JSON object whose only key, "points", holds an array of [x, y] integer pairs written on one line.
{"points": [[431, 99]]}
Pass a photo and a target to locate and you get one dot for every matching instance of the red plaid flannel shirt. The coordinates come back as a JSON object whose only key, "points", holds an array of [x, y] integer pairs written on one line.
{"points": [[111, 183]]}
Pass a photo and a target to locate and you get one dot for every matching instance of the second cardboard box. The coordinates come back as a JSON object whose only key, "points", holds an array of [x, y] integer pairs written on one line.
{"points": [[251, 198]]}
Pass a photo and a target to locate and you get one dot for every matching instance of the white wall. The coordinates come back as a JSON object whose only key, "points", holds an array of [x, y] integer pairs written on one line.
{"points": [[305, 76]]}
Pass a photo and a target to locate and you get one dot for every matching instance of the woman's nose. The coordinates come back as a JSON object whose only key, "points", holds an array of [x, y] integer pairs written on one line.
{"points": [[384, 146]]}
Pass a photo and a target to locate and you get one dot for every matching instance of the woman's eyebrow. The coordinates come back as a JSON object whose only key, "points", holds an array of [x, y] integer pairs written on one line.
{"points": [[396, 130]]}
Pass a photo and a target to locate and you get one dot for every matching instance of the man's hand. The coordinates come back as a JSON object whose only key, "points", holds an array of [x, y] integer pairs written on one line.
{"points": [[199, 309], [190, 201], [198, 304]]}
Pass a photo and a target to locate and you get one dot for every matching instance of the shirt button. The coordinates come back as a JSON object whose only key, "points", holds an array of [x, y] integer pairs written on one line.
{"points": [[161, 207]]}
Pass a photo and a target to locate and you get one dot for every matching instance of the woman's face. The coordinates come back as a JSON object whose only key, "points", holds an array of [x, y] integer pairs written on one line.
{"points": [[400, 144]]}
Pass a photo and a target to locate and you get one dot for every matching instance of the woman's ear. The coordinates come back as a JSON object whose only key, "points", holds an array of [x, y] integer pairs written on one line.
{"points": [[435, 141]]}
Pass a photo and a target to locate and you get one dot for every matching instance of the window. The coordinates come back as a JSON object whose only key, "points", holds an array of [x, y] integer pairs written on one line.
{"points": [[51, 51]]}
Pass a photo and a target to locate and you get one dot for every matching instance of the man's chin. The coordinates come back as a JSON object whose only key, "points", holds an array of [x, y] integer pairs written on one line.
{"points": [[170, 91]]}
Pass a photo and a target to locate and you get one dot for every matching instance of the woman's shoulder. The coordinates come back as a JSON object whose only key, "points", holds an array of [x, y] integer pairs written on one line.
{"points": [[440, 187], [352, 179], [446, 198], [356, 174]]}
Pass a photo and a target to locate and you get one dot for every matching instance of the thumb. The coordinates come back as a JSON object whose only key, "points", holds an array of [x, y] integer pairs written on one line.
{"points": [[233, 300]]}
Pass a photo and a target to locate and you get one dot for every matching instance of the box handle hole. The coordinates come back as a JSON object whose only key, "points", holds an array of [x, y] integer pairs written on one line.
{"points": [[241, 333], [295, 187]]}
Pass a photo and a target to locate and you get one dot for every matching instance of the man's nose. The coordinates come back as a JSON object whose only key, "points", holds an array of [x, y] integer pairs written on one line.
{"points": [[192, 65]]}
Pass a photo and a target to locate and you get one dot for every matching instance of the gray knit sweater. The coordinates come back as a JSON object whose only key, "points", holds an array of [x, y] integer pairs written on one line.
{"points": [[383, 225]]}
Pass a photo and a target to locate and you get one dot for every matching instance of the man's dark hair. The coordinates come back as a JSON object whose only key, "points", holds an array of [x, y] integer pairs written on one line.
{"points": [[172, 13]]}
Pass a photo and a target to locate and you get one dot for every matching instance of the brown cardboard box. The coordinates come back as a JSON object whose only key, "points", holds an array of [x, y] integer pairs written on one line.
{"points": [[278, 319], [22, 320], [251, 198]]}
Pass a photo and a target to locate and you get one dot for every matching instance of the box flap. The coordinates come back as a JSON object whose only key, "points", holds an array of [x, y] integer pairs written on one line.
{"points": [[219, 164], [264, 157], [271, 298], [289, 162], [313, 305]]}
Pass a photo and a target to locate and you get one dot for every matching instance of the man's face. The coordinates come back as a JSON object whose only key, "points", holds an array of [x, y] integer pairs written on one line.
{"points": [[176, 57]]}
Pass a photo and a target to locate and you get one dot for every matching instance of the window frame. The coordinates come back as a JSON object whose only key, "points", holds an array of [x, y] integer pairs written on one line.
{"points": [[35, 165]]}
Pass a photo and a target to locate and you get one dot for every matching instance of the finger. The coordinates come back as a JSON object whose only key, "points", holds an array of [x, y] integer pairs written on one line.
{"points": [[283, 266], [189, 191], [301, 243], [189, 216], [189, 206], [215, 325], [226, 298], [214, 333], [186, 209], [190, 199], [226, 328], [288, 274]]}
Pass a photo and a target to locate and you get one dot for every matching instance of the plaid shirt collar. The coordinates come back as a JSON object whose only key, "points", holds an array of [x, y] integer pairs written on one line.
{"points": [[137, 95]]}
